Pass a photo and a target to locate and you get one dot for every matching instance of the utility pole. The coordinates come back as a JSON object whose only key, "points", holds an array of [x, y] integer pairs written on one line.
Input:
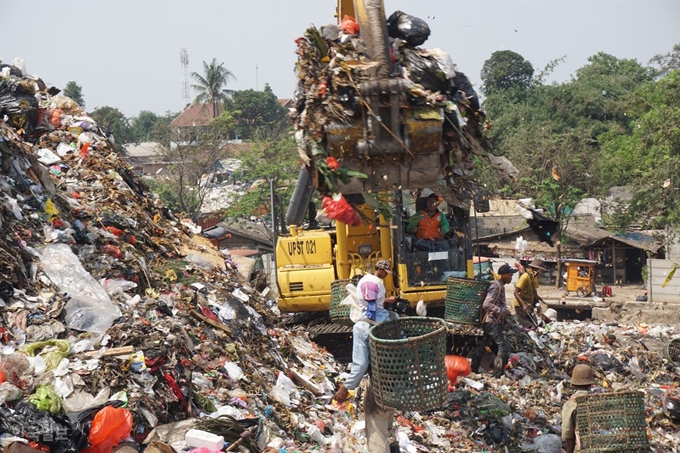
{"points": [[257, 82], [184, 60]]}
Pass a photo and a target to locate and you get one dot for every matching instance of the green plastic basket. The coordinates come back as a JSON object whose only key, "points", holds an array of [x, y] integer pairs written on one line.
{"points": [[612, 423], [673, 350], [464, 298], [408, 372], [339, 313]]}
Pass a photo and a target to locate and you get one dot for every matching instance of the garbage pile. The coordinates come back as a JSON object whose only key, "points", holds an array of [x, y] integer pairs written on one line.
{"points": [[330, 68], [120, 328]]}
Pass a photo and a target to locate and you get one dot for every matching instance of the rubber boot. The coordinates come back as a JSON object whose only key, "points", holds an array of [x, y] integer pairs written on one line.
{"points": [[498, 365], [476, 363]]}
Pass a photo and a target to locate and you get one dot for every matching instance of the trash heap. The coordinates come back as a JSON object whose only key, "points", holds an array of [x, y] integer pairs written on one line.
{"points": [[120, 328], [330, 68]]}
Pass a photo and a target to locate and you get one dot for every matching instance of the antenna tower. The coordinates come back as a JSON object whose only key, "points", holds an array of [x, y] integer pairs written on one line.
{"points": [[184, 59]]}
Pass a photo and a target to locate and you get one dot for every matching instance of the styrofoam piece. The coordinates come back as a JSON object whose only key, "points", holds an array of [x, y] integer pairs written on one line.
{"points": [[199, 438]]}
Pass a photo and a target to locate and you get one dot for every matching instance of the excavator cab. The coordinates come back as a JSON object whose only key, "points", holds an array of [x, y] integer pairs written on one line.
{"points": [[430, 262]]}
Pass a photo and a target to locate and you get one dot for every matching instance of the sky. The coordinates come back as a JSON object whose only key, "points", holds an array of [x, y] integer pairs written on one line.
{"points": [[126, 53]]}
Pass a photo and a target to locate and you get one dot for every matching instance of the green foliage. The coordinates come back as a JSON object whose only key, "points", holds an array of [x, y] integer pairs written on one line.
{"points": [[189, 160], [166, 189], [211, 85], [149, 127], [275, 161], [663, 64], [258, 115], [615, 123], [648, 159], [75, 92], [115, 121], [504, 70], [225, 124]]}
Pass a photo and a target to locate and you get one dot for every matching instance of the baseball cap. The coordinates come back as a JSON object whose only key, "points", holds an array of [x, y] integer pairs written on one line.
{"points": [[384, 265], [506, 269]]}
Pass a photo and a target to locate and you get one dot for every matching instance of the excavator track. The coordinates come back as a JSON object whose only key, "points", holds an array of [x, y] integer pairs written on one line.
{"points": [[336, 338]]}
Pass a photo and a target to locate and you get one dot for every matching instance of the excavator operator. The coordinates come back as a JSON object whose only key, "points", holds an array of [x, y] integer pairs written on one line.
{"points": [[430, 226]]}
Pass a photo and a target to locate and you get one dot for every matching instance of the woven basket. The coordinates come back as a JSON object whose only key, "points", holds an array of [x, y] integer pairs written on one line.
{"points": [[612, 423], [673, 350], [408, 371], [464, 298], [339, 313]]}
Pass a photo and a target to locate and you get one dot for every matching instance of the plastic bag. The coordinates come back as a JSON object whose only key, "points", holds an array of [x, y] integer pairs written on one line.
{"points": [[443, 60], [109, 427], [339, 209], [46, 399], [51, 356], [14, 367], [462, 83], [90, 309], [424, 70], [411, 29], [19, 104], [349, 25], [456, 366], [9, 392], [40, 426]]}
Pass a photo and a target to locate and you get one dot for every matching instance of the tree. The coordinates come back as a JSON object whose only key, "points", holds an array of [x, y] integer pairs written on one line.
{"points": [[75, 92], [663, 64], [273, 161], [258, 114], [150, 127], [648, 159], [557, 177], [115, 121], [211, 86], [504, 70], [189, 157]]}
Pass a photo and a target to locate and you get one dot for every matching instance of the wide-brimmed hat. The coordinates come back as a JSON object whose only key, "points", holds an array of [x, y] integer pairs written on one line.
{"points": [[582, 375], [384, 265], [538, 264]]}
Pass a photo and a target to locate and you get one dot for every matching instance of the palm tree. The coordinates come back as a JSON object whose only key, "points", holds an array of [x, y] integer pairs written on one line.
{"points": [[210, 87]]}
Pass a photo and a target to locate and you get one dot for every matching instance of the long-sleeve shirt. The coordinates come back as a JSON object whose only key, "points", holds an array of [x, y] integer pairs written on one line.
{"points": [[369, 288], [494, 303]]}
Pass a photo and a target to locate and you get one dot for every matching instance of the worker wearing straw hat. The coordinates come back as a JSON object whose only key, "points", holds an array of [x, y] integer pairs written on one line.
{"points": [[526, 294], [370, 294], [582, 378]]}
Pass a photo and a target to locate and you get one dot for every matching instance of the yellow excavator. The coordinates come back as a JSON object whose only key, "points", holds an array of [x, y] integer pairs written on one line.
{"points": [[406, 145]]}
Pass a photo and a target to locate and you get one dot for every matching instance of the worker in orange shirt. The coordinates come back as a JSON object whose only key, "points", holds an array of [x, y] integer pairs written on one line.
{"points": [[430, 226]]}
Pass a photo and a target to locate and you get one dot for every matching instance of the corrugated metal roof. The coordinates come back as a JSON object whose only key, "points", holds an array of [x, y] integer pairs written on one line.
{"points": [[145, 149], [251, 230], [494, 227]]}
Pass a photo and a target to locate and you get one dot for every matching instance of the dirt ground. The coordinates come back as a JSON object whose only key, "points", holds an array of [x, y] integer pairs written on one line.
{"points": [[625, 293]]}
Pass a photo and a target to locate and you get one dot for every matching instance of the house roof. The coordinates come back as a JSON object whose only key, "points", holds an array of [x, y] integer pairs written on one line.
{"points": [[620, 193], [196, 115], [498, 208], [255, 231], [285, 102], [581, 230], [145, 149], [495, 227]]}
